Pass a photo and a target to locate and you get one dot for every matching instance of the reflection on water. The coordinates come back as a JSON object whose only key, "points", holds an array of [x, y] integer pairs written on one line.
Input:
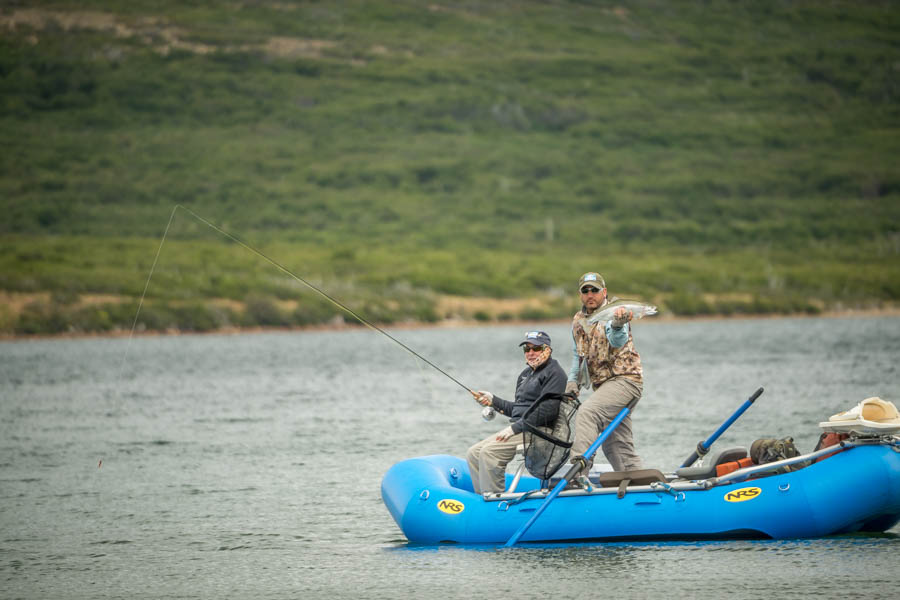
{"points": [[250, 465]]}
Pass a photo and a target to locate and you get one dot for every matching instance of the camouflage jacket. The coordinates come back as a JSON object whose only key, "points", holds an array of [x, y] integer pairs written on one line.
{"points": [[604, 361]]}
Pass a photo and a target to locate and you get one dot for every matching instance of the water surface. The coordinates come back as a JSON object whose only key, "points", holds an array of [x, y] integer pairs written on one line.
{"points": [[249, 465]]}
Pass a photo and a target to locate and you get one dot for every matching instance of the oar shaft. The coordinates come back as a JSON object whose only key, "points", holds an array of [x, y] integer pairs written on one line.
{"points": [[592, 449], [702, 447], [573, 470]]}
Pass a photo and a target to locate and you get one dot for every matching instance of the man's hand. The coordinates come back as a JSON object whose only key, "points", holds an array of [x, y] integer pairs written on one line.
{"points": [[484, 398], [505, 434], [571, 387], [620, 317]]}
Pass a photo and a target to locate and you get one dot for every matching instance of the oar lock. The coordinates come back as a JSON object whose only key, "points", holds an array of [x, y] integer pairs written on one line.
{"points": [[701, 449], [579, 459]]}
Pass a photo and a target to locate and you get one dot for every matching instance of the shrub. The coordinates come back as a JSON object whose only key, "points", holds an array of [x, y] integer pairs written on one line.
{"points": [[196, 317], [686, 304], [311, 311], [263, 311], [40, 317]]}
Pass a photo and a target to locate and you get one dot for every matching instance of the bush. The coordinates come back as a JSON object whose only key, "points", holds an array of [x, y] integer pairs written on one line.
{"points": [[196, 317], [7, 319], [686, 304], [424, 313], [537, 314], [155, 317], [264, 312], [40, 317], [313, 311], [91, 319]]}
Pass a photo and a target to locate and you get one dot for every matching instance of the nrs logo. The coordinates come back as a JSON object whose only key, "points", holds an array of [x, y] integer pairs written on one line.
{"points": [[743, 494], [451, 507]]}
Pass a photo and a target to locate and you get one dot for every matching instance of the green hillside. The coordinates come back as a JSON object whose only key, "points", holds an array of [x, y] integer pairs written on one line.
{"points": [[713, 157]]}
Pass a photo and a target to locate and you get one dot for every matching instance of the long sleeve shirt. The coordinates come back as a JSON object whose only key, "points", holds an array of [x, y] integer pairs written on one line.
{"points": [[530, 386]]}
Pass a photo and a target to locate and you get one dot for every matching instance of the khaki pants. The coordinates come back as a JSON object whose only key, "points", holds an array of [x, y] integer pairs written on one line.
{"points": [[487, 462], [597, 412]]}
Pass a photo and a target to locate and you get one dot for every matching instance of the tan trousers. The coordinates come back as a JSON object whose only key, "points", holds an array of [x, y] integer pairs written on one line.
{"points": [[597, 412], [487, 462]]}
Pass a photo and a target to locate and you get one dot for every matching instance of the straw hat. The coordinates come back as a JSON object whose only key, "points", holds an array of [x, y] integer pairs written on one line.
{"points": [[871, 409]]}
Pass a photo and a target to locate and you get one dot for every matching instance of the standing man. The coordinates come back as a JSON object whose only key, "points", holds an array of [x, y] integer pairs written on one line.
{"points": [[605, 359], [488, 458]]}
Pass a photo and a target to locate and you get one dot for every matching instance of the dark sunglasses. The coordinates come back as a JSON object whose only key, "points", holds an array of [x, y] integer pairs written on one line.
{"points": [[532, 348], [588, 289]]}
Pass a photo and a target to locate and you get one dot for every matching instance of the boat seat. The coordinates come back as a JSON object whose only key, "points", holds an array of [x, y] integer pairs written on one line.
{"points": [[708, 468], [623, 479], [520, 471]]}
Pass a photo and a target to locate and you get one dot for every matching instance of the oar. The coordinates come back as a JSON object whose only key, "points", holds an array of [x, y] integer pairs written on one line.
{"points": [[703, 447], [580, 462]]}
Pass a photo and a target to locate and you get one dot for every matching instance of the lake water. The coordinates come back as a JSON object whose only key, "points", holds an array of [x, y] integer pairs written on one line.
{"points": [[249, 466]]}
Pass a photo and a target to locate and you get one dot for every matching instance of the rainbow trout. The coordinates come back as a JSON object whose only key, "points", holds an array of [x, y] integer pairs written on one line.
{"points": [[638, 309]]}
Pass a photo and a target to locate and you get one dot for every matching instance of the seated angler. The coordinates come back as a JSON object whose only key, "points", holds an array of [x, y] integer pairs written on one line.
{"points": [[488, 458]]}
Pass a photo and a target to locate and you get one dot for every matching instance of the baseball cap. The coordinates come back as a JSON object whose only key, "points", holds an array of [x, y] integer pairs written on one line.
{"points": [[594, 279], [537, 338]]}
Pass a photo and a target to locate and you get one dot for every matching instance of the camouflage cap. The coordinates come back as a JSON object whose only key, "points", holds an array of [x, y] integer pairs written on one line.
{"points": [[594, 279]]}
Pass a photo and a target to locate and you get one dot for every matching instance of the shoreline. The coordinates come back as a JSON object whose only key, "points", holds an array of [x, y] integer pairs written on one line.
{"points": [[453, 323]]}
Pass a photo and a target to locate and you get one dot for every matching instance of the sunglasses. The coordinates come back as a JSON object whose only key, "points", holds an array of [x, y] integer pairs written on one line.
{"points": [[589, 289], [532, 348]]}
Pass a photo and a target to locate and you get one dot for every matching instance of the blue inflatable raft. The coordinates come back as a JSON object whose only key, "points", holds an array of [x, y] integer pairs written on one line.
{"points": [[856, 489]]}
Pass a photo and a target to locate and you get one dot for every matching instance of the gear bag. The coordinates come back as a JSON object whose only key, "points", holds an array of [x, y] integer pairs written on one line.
{"points": [[548, 428], [766, 450]]}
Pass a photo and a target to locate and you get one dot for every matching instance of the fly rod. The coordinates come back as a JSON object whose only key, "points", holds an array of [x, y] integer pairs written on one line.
{"points": [[299, 279]]}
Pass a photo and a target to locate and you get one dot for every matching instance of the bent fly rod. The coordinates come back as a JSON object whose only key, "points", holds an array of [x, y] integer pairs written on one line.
{"points": [[297, 278]]}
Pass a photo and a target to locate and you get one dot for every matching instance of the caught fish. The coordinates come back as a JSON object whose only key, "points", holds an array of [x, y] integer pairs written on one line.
{"points": [[638, 309]]}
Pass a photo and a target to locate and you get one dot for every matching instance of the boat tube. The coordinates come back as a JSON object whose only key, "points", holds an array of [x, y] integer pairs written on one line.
{"points": [[853, 486]]}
